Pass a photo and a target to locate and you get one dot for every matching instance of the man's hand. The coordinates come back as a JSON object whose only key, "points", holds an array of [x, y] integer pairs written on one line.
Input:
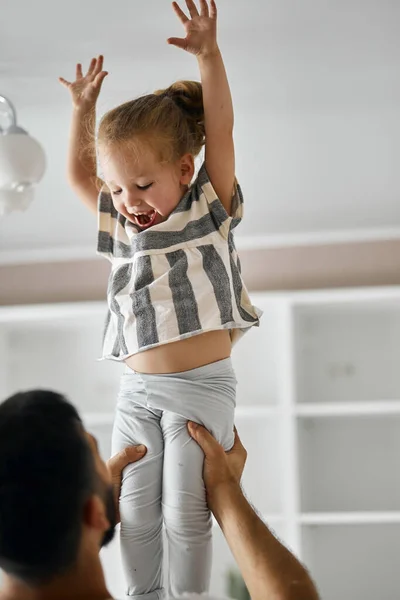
{"points": [[222, 470], [117, 464], [267, 566]]}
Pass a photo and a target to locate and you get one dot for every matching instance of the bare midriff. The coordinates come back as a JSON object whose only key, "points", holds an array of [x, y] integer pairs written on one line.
{"points": [[184, 355]]}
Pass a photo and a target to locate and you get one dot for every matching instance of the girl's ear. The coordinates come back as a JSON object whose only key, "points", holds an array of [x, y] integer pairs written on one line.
{"points": [[186, 169]]}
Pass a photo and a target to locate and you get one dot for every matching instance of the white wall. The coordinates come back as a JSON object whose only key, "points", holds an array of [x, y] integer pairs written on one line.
{"points": [[316, 93]]}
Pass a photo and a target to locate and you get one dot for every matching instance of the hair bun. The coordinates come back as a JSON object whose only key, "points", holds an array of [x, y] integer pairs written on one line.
{"points": [[188, 97]]}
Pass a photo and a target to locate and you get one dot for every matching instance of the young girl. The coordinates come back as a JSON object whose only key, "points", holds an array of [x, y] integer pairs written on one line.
{"points": [[176, 297]]}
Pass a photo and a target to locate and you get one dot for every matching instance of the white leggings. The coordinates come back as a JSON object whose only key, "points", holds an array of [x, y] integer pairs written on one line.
{"points": [[166, 487]]}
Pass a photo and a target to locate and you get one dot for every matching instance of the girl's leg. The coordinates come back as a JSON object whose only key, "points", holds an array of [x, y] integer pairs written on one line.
{"points": [[208, 398], [186, 516], [140, 501]]}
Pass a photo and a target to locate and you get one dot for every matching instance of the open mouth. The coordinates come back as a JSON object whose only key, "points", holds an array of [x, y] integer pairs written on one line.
{"points": [[146, 219]]}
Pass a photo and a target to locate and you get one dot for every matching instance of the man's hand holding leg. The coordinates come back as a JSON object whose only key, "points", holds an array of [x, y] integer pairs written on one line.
{"points": [[222, 470], [269, 570], [117, 464]]}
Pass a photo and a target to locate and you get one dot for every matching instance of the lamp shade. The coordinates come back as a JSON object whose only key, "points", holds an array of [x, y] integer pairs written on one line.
{"points": [[11, 200], [22, 161]]}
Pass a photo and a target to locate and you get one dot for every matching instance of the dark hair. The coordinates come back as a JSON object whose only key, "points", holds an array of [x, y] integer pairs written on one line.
{"points": [[170, 120], [47, 472]]}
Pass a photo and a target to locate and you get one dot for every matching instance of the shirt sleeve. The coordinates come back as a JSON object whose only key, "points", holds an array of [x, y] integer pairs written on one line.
{"points": [[106, 216], [224, 221]]}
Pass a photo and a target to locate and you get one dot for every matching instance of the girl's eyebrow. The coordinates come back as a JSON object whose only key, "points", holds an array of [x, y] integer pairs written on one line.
{"points": [[133, 179]]}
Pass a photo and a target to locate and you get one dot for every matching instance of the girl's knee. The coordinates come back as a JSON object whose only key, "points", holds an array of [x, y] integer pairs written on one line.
{"points": [[193, 520], [137, 530]]}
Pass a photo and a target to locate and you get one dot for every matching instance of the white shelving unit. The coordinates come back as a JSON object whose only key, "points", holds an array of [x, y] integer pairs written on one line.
{"points": [[318, 410]]}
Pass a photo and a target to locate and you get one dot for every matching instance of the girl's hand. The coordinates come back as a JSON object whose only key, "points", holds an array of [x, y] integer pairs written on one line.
{"points": [[201, 29], [86, 89]]}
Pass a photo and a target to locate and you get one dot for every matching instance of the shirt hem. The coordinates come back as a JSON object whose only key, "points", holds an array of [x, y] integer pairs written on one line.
{"points": [[243, 326]]}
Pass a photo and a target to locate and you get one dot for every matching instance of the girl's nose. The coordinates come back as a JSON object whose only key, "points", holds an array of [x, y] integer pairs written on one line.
{"points": [[133, 203]]}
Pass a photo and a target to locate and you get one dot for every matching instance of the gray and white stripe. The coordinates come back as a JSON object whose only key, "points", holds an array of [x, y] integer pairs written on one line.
{"points": [[178, 279]]}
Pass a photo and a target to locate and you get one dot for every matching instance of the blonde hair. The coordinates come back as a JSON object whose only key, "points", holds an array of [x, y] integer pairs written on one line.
{"points": [[171, 121]]}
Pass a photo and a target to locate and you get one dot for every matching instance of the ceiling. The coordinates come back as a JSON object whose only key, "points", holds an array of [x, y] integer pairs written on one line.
{"points": [[316, 92]]}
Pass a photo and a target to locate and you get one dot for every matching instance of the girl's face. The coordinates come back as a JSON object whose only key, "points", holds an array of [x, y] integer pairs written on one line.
{"points": [[143, 189]]}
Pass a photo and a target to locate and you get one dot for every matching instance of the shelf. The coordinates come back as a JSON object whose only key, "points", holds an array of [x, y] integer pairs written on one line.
{"points": [[349, 518], [255, 412], [346, 296], [61, 356], [347, 351], [262, 477], [338, 409], [353, 562], [318, 410], [55, 311], [256, 359], [349, 464]]}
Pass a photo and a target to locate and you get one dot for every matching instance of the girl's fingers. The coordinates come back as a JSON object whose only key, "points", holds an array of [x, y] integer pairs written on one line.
{"points": [[178, 42], [204, 12], [180, 13], [99, 65], [64, 82], [192, 8], [92, 66], [98, 80], [79, 74], [213, 9]]}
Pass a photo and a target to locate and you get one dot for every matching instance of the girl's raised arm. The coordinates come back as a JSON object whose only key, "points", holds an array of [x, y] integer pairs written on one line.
{"points": [[81, 166], [201, 40]]}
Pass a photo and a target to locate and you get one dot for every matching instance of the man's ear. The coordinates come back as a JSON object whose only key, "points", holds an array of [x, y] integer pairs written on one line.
{"points": [[187, 169], [94, 514]]}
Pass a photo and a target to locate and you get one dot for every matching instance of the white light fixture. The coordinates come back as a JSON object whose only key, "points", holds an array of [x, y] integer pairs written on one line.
{"points": [[22, 163]]}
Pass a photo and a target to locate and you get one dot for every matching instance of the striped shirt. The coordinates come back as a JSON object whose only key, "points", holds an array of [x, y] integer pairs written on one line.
{"points": [[177, 279]]}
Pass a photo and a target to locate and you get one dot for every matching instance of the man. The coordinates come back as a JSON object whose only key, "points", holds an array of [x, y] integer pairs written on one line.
{"points": [[58, 507]]}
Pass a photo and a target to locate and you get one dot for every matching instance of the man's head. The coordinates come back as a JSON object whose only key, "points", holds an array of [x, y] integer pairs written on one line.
{"points": [[55, 491]]}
